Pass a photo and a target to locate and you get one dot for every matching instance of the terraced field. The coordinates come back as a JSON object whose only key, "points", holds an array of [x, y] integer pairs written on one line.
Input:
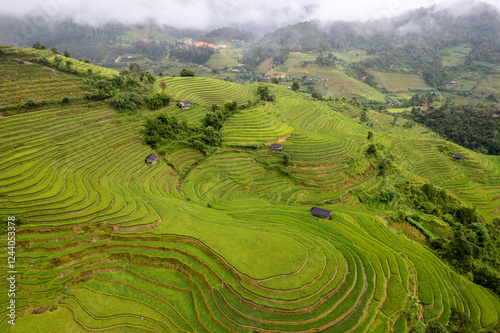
{"points": [[21, 81], [222, 243], [489, 84], [397, 82], [338, 84], [221, 59], [83, 67], [207, 91]]}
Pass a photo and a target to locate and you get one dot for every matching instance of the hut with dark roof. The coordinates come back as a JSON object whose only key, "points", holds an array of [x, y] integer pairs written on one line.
{"points": [[276, 147], [185, 105], [458, 156], [152, 159], [321, 213]]}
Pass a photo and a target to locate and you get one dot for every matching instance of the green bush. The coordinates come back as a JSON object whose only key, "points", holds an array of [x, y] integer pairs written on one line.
{"points": [[124, 102], [30, 104], [187, 72], [156, 101], [435, 327]]}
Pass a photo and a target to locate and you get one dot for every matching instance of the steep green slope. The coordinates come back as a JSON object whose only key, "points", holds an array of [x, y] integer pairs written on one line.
{"points": [[206, 91], [119, 245], [22, 81]]}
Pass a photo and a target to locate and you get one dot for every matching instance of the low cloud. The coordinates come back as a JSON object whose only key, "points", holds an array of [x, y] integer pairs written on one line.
{"points": [[206, 14]]}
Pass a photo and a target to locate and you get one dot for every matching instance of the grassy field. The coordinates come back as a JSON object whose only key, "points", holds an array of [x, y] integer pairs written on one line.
{"points": [[489, 84], [456, 56], [21, 81], [397, 82], [225, 242], [222, 59], [339, 84]]}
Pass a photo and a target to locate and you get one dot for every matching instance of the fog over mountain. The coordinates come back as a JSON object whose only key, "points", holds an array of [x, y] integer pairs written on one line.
{"points": [[257, 15]]}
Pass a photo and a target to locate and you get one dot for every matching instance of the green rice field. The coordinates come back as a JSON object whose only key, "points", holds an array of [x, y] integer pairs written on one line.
{"points": [[225, 242]]}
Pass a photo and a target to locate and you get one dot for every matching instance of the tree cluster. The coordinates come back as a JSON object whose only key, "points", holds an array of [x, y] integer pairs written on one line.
{"points": [[187, 72], [193, 54], [153, 50], [418, 99], [164, 132], [126, 92], [470, 126], [327, 61], [227, 34], [472, 247]]}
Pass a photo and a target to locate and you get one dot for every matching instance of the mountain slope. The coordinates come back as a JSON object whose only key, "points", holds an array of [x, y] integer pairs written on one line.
{"points": [[108, 242]]}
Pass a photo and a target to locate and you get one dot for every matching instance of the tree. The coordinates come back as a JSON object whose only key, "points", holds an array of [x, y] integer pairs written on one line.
{"points": [[435, 327], [275, 80], [98, 89], [66, 53], [230, 105], [295, 85], [263, 92], [212, 137], [156, 101], [395, 119], [364, 115], [135, 68], [370, 135], [213, 120], [87, 61], [286, 159], [162, 85], [37, 45], [460, 321], [54, 50], [68, 64], [57, 60], [124, 102], [317, 95], [187, 72], [146, 76]]}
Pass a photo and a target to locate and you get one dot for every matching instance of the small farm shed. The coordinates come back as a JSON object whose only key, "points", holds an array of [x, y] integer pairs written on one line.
{"points": [[321, 213], [152, 159], [185, 105], [458, 156], [276, 147], [369, 124]]}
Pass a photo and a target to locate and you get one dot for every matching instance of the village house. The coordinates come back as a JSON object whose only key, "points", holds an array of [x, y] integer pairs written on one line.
{"points": [[276, 147], [188, 42], [203, 44], [152, 159], [185, 105], [279, 75], [458, 156], [321, 213]]}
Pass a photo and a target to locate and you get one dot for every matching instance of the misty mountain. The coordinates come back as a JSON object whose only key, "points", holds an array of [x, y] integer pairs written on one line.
{"points": [[410, 42], [428, 26]]}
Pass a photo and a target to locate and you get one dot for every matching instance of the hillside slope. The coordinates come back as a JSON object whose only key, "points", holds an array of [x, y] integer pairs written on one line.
{"points": [[110, 243]]}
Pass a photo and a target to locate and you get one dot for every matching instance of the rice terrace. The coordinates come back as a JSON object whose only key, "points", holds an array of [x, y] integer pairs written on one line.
{"points": [[134, 201]]}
